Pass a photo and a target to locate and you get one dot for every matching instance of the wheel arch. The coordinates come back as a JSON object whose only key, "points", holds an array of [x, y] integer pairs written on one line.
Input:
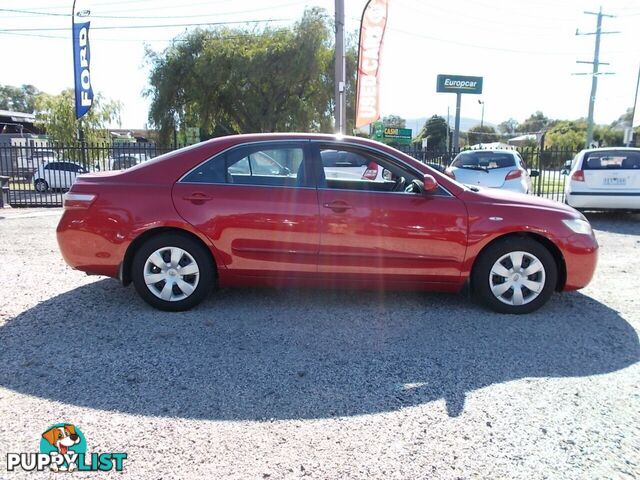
{"points": [[124, 273], [546, 242]]}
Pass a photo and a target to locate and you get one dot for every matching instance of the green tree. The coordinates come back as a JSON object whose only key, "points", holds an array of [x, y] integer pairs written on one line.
{"points": [[623, 120], [571, 135], [436, 131], [237, 81], [18, 99], [508, 127], [482, 134], [56, 115], [535, 123], [394, 121]]}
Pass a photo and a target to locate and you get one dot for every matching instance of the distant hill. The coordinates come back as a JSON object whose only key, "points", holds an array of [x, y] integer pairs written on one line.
{"points": [[465, 123]]}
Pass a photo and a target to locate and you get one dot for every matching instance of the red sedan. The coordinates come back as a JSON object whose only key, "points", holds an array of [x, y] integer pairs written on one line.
{"points": [[317, 210]]}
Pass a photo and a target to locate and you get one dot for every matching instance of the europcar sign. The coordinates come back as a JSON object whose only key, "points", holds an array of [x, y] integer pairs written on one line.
{"points": [[459, 84]]}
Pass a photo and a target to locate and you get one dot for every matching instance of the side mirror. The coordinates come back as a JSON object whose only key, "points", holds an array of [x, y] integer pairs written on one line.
{"points": [[430, 183], [534, 173]]}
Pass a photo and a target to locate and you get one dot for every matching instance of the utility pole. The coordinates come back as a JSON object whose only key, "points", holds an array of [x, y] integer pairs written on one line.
{"points": [[595, 71], [340, 78], [633, 109]]}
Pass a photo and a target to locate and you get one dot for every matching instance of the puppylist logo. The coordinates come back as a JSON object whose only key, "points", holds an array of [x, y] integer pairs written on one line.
{"points": [[63, 448]]}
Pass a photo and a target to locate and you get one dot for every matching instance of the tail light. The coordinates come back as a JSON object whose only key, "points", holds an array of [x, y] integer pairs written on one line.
{"points": [[577, 176], [513, 174], [449, 173], [371, 173], [78, 200]]}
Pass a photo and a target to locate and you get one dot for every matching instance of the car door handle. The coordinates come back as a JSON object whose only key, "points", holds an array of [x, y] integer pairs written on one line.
{"points": [[197, 198], [337, 206]]}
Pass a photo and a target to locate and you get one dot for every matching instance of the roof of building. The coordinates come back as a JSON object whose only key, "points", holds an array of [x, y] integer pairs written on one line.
{"points": [[18, 116]]}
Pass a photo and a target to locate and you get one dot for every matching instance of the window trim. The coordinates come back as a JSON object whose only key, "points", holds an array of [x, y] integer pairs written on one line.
{"points": [[317, 160], [303, 144]]}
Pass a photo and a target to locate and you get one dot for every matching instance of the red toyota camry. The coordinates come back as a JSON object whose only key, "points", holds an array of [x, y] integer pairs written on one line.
{"points": [[317, 210]]}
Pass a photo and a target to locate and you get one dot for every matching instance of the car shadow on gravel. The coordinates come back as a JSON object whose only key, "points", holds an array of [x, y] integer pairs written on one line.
{"points": [[270, 354], [615, 222]]}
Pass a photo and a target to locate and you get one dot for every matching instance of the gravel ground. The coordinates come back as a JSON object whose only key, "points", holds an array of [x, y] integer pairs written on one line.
{"points": [[321, 384]]}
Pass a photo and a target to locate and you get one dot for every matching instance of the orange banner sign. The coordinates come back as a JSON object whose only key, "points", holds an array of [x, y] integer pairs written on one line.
{"points": [[374, 22]]}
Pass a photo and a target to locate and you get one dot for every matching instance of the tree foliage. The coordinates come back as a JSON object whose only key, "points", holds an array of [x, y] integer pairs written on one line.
{"points": [[508, 127], [572, 134], [482, 134], [56, 114], [436, 131], [228, 81], [535, 123], [394, 121], [18, 99]]}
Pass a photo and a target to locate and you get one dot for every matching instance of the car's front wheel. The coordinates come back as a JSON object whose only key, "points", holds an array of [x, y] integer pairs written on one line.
{"points": [[172, 272], [515, 275]]}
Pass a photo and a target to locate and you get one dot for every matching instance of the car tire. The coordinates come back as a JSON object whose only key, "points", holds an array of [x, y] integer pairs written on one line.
{"points": [[506, 287], [41, 185], [163, 258]]}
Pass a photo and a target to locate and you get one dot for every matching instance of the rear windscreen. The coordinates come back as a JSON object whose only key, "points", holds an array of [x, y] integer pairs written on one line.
{"points": [[616, 160], [484, 160]]}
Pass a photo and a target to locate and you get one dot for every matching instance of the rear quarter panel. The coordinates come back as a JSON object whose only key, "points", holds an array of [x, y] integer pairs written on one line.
{"points": [[95, 240]]}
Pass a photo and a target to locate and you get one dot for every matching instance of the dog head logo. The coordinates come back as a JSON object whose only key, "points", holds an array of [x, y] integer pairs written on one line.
{"points": [[63, 442], [62, 437]]}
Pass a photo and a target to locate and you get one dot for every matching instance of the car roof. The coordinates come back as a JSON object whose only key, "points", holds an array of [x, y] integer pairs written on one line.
{"points": [[606, 149], [490, 150]]}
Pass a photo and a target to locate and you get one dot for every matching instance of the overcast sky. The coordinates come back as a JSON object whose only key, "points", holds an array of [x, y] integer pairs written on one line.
{"points": [[525, 50]]}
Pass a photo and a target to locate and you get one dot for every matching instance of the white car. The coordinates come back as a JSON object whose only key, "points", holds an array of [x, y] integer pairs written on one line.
{"points": [[605, 178], [503, 169], [58, 175], [127, 160]]}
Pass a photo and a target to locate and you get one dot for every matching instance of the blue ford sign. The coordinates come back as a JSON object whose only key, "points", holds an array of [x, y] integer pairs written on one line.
{"points": [[81, 64]]}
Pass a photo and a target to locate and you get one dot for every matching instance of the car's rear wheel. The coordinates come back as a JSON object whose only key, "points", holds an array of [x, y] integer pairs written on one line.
{"points": [[172, 272], [41, 185], [515, 275]]}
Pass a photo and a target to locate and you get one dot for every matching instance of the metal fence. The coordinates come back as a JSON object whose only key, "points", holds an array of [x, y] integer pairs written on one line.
{"points": [[552, 165], [40, 172]]}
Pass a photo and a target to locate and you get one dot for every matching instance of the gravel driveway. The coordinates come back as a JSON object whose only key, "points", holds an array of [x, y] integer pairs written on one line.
{"points": [[321, 384]]}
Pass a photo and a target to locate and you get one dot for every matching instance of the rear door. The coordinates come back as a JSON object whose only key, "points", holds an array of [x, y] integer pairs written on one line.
{"points": [[612, 170], [258, 206]]}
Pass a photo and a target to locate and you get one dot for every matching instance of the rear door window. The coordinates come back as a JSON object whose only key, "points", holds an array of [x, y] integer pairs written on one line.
{"points": [[268, 165]]}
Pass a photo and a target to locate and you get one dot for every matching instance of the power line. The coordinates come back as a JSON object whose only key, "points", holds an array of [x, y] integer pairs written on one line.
{"points": [[128, 2], [101, 39], [138, 17], [266, 20]]}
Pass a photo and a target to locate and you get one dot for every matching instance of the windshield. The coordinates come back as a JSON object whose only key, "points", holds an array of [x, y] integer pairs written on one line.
{"points": [[484, 160]]}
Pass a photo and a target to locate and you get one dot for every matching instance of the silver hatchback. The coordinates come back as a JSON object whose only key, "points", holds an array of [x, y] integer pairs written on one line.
{"points": [[503, 169]]}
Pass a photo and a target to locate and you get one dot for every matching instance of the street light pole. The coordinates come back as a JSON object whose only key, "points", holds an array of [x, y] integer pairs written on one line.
{"points": [[481, 102]]}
